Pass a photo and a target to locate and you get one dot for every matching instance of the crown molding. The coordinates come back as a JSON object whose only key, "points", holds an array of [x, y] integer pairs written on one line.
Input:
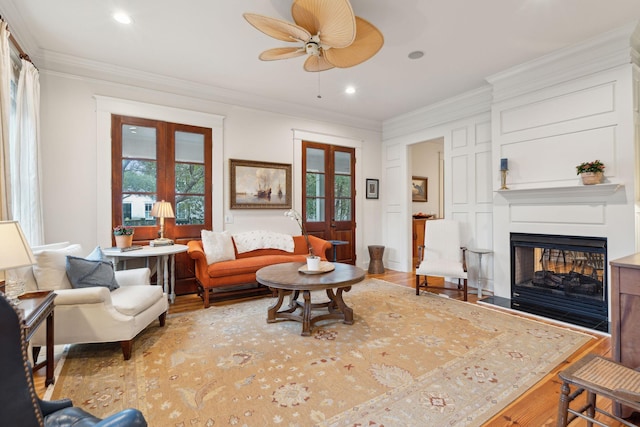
{"points": [[465, 105], [93, 70], [18, 28], [635, 45], [50, 61], [609, 50]]}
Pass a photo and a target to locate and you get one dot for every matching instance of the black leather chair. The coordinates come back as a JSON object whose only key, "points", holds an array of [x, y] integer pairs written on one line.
{"points": [[19, 403]]}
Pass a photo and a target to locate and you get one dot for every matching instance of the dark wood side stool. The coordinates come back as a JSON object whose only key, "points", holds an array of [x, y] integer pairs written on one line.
{"points": [[596, 375], [376, 265]]}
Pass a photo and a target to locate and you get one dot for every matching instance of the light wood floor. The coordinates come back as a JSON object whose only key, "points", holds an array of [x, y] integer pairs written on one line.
{"points": [[536, 407]]}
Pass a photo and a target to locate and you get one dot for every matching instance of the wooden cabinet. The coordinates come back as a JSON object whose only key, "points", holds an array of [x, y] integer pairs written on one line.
{"points": [[418, 236], [625, 314]]}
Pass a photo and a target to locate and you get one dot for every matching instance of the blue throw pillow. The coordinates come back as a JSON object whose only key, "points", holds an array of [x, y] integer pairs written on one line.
{"points": [[85, 273], [97, 255]]}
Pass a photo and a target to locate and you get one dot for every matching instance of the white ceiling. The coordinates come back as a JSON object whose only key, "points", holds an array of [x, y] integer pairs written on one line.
{"points": [[207, 44]]}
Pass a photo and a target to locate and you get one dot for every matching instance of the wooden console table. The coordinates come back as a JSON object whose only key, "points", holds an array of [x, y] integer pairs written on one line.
{"points": [[36, 307], [625, 315]]}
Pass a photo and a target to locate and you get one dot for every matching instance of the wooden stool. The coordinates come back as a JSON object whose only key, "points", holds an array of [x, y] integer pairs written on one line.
{"points": [[375, 264], [597, 376]]}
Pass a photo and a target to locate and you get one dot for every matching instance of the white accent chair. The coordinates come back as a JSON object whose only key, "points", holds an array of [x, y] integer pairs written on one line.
{"points": [[442, 255], [94, 314]]}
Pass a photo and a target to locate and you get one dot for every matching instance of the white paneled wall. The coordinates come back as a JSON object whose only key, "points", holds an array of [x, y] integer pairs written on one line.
{"points": [[545, 134], [396, 207], [636, 120], [546, 117], [467, 186], [471, 188]]}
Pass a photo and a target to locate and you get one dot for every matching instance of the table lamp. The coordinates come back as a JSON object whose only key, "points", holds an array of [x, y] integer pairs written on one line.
{"points": [[162, 210], [14, 253]]}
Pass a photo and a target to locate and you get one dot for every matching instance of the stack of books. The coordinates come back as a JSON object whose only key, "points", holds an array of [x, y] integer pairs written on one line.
{"points": [[130, 248]]}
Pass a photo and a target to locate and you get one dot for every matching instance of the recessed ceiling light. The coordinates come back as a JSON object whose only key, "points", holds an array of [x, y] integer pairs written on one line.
{"points": [[122, 18], [350, 90], [416, 54]]}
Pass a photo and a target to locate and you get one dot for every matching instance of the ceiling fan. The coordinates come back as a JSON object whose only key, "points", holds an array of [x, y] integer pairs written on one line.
{"points": [[326, 30]]}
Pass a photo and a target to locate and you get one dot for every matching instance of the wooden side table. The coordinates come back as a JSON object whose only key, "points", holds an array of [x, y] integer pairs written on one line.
{"points": [[166, 276], [335, 244], [480, 279], [376, 266], [36, 307]]}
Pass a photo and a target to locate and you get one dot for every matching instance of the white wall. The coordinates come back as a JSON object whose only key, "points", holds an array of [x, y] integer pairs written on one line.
{"points": [[546, 117], [545, 134], [463, 124], [71, 147]]}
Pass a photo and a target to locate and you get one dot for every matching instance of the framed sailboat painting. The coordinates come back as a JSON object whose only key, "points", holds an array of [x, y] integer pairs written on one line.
{"points": [[260, 185]]}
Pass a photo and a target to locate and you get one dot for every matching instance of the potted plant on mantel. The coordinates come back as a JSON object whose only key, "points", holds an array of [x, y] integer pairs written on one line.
{"points": [[591, 172], [313, 261], [124, 236]]}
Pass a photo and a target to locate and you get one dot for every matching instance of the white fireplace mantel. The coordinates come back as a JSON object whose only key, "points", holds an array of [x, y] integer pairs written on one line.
{"points": [[599, 193]]}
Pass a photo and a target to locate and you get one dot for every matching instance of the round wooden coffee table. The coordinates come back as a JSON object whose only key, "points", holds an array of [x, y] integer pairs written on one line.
{"points": [[286, 277]]}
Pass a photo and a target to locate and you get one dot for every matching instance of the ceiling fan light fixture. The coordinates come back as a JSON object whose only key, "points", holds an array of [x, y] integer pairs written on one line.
{"points": [[122, 18], [340, 39], [312, 48]]}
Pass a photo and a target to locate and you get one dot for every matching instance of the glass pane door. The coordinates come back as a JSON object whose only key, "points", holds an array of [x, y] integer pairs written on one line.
{"points": [[139, 174], [190, 178]]}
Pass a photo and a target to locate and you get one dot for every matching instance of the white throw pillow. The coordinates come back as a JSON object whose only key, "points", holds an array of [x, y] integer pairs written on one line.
{"points": [[50, 271], [248, 241], [217, 246]]}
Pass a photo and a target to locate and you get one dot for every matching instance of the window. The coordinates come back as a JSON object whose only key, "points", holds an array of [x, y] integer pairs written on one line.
{"points": [[154, 160], [126, 212], [147, 210], [16, 65]]}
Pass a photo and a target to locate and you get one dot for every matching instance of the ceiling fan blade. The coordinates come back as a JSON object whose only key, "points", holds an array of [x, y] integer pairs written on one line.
{"points": [[332, 19], [368, 42], [281, 30], [282, 53], [317, 63]]}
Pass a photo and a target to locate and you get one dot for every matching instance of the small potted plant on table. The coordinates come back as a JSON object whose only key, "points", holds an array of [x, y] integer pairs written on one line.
{"points": [[124, 236]]}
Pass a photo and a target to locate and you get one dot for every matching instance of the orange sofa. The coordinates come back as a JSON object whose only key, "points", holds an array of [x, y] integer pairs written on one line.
{"points": [[242, 270]]}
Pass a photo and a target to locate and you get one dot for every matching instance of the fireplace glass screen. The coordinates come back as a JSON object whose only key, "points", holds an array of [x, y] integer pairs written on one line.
{"points": [[561, 277]]}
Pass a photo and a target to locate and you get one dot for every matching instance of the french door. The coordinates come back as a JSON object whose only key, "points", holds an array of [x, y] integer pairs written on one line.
{"points": [[329, 196], [154, 160]]}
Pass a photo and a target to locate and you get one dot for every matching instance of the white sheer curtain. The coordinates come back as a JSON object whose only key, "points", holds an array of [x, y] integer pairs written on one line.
{"points": [[5, 115], [25, 158]]}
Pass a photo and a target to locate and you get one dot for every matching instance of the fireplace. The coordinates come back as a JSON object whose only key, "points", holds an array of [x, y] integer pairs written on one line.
{"points": [[560, 277]]}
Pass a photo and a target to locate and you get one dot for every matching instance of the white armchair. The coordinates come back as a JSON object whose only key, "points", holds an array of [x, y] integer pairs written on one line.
{"points": [[94, 314], [442, 255]]}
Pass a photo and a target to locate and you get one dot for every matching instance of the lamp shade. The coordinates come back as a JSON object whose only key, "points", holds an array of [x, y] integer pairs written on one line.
{"points": [[162, 210], [14, 249]]}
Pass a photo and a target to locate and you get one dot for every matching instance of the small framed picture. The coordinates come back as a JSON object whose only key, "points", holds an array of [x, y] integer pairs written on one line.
{"points": [[418, 189], [372, 188]]}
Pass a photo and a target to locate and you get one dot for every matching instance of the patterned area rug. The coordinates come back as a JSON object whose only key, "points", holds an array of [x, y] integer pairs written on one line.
{"points": [[406, 361]]}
